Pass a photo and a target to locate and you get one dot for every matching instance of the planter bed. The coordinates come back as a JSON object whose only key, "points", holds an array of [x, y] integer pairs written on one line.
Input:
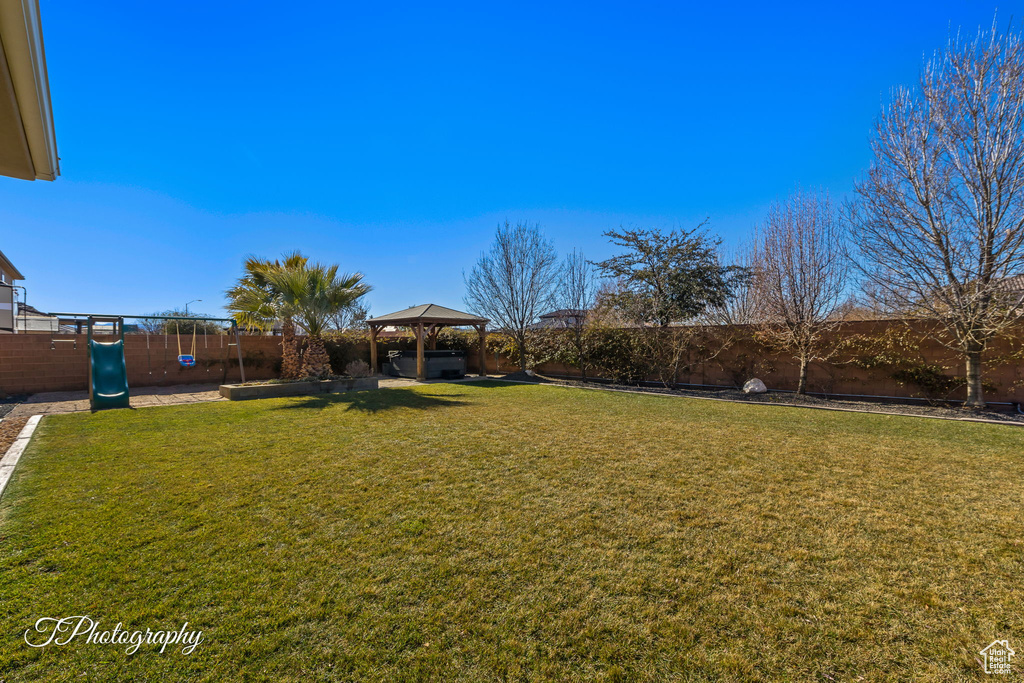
{"points": [[243, 392]]}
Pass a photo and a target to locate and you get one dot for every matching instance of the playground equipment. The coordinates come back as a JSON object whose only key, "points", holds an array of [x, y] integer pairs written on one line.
{"points": [[108, 372], [186, 360]]}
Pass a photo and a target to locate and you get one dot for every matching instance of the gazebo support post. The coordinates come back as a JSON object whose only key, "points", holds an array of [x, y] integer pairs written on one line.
{"points": [[482, 329], [238, 348], [374, 369], [421, 363]]}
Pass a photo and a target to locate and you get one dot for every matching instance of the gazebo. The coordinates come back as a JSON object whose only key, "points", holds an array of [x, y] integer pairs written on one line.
{"points": [[426, 321]]}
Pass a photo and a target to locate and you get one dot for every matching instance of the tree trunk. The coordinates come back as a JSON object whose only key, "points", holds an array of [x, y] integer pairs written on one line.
{"points": [[801, 386], [315, 362], [581, 354], [290, 363], [522, 354], [975, 392]]}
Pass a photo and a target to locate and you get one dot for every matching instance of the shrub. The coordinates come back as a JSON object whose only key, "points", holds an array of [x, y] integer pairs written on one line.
{"points": [[617, 354], [343, 348], [931, 379], [546, 346], [357, 368], [458, 340]]}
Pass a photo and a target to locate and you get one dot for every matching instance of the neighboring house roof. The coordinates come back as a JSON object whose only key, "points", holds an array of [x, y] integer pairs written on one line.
{"points": [[8, 267], [25, 309], [566, 313], [28, 145], [428, 313], [1014, 283], [564, 317]]}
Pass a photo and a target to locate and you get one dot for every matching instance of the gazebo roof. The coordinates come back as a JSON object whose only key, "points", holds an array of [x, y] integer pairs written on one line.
{"points": [[428, 313]]}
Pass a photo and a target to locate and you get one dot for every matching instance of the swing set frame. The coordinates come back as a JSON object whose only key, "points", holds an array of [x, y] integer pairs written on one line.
{"points": [[119, 319]]}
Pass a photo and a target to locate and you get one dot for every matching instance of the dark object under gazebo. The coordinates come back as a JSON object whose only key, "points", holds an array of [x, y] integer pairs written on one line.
{"points": [[426, 321]]}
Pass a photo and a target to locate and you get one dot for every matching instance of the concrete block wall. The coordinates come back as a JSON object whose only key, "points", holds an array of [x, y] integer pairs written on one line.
{"points": [[28, 364], [1003, 371]]}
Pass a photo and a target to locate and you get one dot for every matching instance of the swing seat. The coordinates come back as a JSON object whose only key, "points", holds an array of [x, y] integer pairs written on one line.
{"points": [[187, 361]]}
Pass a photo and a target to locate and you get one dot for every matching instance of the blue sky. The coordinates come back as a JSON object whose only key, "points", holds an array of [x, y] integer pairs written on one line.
{"points": [[391, 138]]}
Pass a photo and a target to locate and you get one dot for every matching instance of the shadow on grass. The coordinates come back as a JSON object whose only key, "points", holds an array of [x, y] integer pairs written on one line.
{"points": [[499, 384], [376, 401]]}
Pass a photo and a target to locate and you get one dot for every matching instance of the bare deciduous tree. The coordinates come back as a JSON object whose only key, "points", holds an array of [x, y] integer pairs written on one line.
{"points": [[800, 275], [940, 216], [577, 294], [741, 308], [514, 282], [352, 317]]}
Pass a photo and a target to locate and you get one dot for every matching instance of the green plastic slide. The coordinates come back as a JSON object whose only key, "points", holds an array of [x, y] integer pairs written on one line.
{"points": [[108, 375]]}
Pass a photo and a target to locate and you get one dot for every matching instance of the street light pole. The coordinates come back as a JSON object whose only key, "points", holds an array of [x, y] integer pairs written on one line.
{"points": [[190, 302]]}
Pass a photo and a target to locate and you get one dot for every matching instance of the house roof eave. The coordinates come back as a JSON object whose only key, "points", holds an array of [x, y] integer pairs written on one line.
{"points": [[8, 267], [28, 144]]}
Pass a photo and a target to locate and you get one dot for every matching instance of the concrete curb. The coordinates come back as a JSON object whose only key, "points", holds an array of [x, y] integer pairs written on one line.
{"points": [[246, 392], [1005, 423], [13, 455]]}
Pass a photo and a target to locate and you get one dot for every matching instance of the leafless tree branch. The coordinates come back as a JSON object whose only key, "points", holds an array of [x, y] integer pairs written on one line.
{"points": [[514, 282], [801, 271], [939, 218]]}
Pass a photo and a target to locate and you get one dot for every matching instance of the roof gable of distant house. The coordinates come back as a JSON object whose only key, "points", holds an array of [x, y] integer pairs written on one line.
{"points": [[25, 309], [565, 313], [1014, 283], [9, 270]]}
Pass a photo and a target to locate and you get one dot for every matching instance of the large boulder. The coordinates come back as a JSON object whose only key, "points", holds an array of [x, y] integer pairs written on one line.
{"points": [[754, 386]]}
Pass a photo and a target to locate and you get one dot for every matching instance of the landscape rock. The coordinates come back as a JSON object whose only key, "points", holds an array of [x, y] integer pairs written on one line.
{"points": [[754, 386]]}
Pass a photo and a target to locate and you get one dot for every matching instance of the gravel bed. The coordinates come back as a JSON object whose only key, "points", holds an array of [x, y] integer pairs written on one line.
{"points": [[9, 430], [790, 399], [10, 403]]}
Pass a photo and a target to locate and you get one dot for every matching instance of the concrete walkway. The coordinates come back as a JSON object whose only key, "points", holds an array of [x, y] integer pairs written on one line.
{"points": [[53, 402]]}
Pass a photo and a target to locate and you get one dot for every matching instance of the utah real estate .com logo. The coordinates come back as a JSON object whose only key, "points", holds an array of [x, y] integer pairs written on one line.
{"points": [[997, 657]]}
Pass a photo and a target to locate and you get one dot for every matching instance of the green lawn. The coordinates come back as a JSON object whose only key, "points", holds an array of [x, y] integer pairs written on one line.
{"points": [[492, 532]]}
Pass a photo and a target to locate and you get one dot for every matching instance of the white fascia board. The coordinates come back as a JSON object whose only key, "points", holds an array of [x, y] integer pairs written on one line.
{"points": [[22, 35]]}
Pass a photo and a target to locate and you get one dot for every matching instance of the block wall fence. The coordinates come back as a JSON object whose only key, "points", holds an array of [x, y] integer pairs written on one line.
{"points": [[1003, 372], [29, 365]]}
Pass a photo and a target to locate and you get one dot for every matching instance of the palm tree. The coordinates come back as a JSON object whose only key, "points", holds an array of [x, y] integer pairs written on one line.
{"points": [[257, 305], [314, 293]]}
